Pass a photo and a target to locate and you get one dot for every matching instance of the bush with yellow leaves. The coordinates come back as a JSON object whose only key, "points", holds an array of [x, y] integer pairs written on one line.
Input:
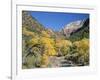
{"points": [[82, 48], [27, 33], [44, 60], [45, 34], [63, 46], [48, 45]]}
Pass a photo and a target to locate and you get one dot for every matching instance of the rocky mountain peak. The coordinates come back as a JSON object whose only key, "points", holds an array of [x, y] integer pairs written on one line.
{"points": [[72, 27]]}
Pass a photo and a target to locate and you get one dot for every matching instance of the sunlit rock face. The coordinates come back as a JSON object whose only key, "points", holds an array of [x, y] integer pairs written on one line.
{"points": [[72, 27]]}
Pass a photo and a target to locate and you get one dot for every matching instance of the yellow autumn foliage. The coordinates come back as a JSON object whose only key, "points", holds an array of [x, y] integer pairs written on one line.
{"points": [[48, 44], [27, 33], [63, 46], [82, 46], [45, 34], [33, 41], [61, 43], [44, 60]]}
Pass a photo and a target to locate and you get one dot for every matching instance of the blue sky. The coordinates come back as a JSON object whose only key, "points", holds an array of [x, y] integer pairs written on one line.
{"points": [[57, 20]]}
